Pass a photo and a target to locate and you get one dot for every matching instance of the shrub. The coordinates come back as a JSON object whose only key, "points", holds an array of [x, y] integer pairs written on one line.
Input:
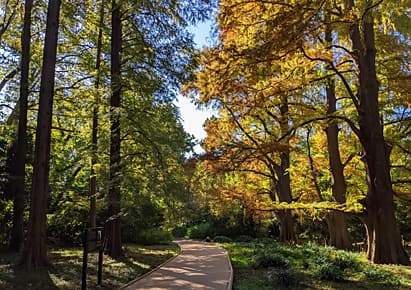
{"points": [[267, 261], [222, 239], [179, 232], [347, 261], [284, 277], [244, 238], [380, 275], [6, 221], [334, 265], [154, 236], [66, 228], [329, 271], [199, 231]]}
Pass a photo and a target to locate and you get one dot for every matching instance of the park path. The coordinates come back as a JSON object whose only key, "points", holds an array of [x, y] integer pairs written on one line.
{"points": [[198, 266]]}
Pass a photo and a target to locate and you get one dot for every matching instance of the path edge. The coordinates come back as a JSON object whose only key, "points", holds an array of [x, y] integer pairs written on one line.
{"points": [[230, 281], [231, 278], [152, 270]]}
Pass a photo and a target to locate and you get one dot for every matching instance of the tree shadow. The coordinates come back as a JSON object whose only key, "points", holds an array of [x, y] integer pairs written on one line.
{"points": [[19, 278]]}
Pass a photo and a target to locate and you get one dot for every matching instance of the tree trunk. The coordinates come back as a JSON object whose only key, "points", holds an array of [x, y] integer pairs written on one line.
{"points": [[286, 226], [337, 221], [283, 176], [94, 140], [114, 226], [35, 251], [17, 236], [383, 234], [337, 227]]}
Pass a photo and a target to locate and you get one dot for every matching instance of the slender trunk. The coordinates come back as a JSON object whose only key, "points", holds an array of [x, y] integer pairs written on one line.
{"points": [[114, 226], [337, 221], [284, 187], [384, 237], [94, 140], [17, 236], [35, 251]]}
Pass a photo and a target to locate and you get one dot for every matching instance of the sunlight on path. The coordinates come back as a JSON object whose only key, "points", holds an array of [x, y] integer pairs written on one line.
{"points": [[199, 266]]}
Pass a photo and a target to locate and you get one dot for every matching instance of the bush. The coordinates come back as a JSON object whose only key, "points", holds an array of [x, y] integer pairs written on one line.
{"points": [[6, 221], [179, 232], [268, 261], [154, 236], [284, 277], [222, 239], [329, 271], [380, 275], [244, 238], [66, 227], [199, 231], [333, 265], [347, 261]]}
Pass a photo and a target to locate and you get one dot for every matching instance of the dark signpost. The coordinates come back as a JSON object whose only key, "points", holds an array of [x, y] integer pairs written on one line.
{"points": [[92, 241]]}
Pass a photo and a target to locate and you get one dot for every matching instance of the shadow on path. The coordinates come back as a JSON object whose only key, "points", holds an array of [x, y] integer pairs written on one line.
{"points": [[199, 266]]}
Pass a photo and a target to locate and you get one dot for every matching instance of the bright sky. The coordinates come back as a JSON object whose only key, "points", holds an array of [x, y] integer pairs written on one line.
{"points": [[193, 118]]}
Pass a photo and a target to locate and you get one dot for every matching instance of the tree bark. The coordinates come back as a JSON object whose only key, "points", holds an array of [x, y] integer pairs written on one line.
{"points": [[337, 221], [94, 137], [17, 236], [283, 176], [114, 225], [35, 251], [384, 237]]}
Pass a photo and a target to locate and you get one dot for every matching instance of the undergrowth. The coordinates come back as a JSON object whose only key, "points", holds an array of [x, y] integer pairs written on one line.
{"points": [[66, 264], [265, 264]]}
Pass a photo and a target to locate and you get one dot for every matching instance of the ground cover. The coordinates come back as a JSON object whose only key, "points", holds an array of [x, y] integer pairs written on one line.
{"points": [[66, 264], [267, 265]]}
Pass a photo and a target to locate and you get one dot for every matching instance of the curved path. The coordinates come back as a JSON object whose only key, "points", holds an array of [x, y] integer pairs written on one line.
{"points": [[198, 266]]}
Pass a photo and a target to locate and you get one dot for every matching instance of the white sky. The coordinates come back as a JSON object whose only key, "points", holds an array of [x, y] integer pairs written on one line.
{"points": [[193, 118]]}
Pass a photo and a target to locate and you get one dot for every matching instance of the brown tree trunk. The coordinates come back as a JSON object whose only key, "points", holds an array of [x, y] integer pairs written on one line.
{"points": [[17, 236], [283, 176], [114, 225], [35, 250], [337, 227], [94, 140], [337, 221], [383, 234]]}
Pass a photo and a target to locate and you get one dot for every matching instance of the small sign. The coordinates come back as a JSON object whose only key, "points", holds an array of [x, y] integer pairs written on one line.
{"points": [[94, 239]]}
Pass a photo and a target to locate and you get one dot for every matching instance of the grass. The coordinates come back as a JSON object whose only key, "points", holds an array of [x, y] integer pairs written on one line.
{"points": [[267, 265], [66, 264]]}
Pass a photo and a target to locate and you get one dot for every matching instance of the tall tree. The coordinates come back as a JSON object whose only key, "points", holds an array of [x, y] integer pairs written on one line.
{"points": [[19, 172], [114, 197], [336, 220], [35, 250], [94, 144], [384, 239]]}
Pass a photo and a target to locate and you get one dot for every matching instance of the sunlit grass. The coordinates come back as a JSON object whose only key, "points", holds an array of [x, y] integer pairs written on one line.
{"points": [[66, 264]]}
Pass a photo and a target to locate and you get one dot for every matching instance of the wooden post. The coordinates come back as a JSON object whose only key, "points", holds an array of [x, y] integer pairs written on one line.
{"points": [[85, 253], [100, 235], [100, 266]]}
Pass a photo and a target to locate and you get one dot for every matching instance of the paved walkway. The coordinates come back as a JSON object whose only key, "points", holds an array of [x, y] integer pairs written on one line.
{"points": [[199, 266]]}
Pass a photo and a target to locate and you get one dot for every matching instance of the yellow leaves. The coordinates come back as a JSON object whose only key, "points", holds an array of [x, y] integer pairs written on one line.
{"points": [[324, 206], [73, 201]]}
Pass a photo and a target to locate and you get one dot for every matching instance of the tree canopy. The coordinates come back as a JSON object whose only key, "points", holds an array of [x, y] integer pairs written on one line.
{"points": [[309, 140]]}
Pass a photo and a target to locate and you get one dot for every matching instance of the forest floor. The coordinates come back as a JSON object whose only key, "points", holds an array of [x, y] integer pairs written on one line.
{"points": [[267, 265], [66, 265]]}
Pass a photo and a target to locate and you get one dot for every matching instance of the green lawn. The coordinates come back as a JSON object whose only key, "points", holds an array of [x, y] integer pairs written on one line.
{"points": [[66, 265], [267, 265]]}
